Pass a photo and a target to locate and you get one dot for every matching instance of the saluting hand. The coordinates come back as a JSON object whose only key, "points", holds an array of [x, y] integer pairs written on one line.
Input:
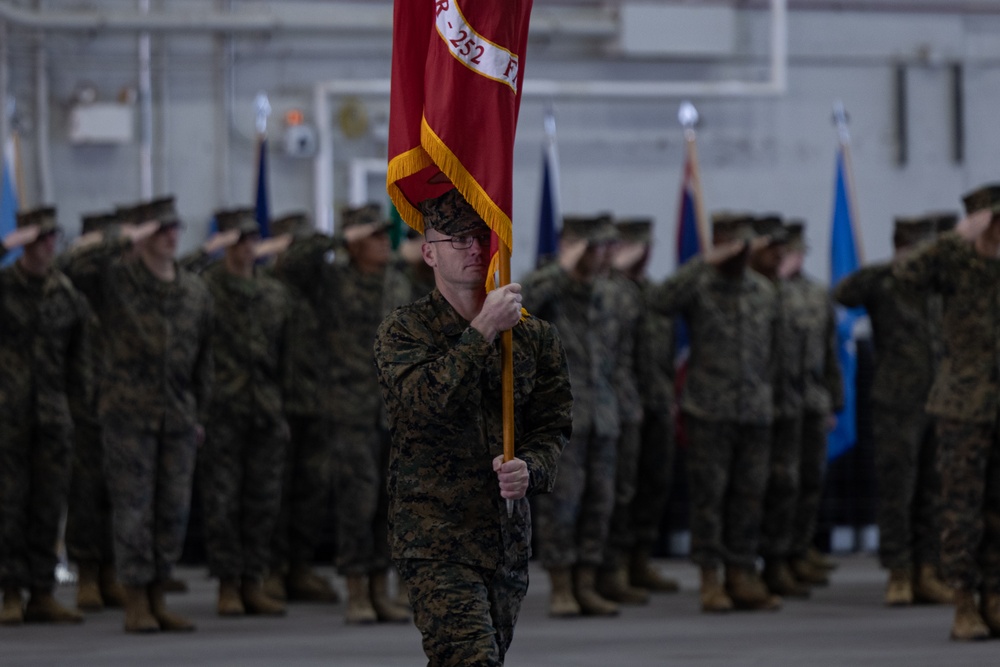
{"points": [[513, 476], [972, 226], [21, 237], [721, 253], [571, 251], [220, 241], [140, 232]]}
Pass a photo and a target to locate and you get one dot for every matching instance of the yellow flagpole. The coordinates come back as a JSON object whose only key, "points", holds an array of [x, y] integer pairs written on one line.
{"points": [[507, 373]]}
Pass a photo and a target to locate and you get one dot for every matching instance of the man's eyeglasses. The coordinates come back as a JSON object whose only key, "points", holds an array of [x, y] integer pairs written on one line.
{"points": [[464, 242]]}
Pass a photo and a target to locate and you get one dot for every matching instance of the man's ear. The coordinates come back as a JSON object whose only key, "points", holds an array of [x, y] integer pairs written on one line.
{"points": [[428, 251]]}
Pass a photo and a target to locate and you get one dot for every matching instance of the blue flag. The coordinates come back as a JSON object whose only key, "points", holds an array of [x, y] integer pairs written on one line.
{"points": [[548, 214], [8, 206], [263, 207], [844, 259]]}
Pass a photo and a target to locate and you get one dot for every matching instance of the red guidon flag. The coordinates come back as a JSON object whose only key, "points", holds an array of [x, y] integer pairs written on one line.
{"points": [[457, 68]]}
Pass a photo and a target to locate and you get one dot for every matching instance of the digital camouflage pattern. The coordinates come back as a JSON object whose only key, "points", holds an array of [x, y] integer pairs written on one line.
{"points": [[727, 465], [737, 315], [574, 520], [440, 381], [909, 507], [970, 481], [906, 325], [44, 353], [824, 390], [143, 318], [156, 383], [812, 473], [781, 499], [966, 386], [791, 335], [241, 462], [466, 615]]}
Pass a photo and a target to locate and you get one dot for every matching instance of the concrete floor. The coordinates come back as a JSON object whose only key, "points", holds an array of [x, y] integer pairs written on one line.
{"points": [[842, 625]]}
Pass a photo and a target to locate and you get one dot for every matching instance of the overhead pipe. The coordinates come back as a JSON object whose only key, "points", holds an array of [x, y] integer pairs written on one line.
{"points": [[145, 110]]}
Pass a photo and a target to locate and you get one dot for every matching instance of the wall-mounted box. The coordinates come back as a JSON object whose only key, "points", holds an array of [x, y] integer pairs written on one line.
{"points": [[655, 30], [101, 123]]}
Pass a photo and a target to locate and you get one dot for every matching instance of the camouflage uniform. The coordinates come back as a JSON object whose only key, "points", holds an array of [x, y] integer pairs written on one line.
{"points": [[964, 399], [824, 395], [464, 561], [655, 350], [241, 463], [158, 374], [727, 403], [46, 366], [573, 520], [782, 496], [906, 324], [350, 305], [628, 301]]}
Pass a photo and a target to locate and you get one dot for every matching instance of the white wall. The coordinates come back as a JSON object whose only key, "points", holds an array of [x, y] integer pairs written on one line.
{"points": [[764, 154]]}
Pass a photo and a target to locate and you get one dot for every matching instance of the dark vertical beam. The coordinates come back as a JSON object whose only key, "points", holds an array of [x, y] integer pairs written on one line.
{"points": [[902, 134], [958, 112]]}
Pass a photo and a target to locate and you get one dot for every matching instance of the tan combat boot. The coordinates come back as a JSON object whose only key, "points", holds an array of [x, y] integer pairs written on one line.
{"points": [[614, 585], [168, 620], [807, 573], [88, 587], [591, 602], [274, 587], [929, 587], [43, 608], [305, 585], [713, 595], [138, 617], [256, 601], [111, 590], [819, 561], [385, 608], [230, 601], [642, 574], [359, 602], [562, 602], [899, 590], [13, 607], [780, 581], [968, 624], [990, 608], [748, 591]]}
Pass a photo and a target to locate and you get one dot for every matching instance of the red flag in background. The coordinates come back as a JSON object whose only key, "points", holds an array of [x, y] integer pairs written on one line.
{"points": [[457, 69]]}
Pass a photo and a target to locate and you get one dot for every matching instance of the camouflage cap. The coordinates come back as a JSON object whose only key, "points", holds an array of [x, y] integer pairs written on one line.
{"points": [[297, 224], [594, 229], [983, 197], [911, 230], [128, 214], [731, 226], [97, 222], [364, 215], [635, 230], [796, 231], [451, 214], [162, 210], [944, 221], [44, 217], [770, 225], [243, 220]]}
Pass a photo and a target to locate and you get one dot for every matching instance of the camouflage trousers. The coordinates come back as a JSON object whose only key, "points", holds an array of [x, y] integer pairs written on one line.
{"points": [[620, 536], [812, 473], [909, 487], [727, 477], [655, 477], [88, 519], [240, 469], [465, 614], [150, 475], [361, 455], [573, 520], [969, 459], [35, 463], [305, 493], [781, 499]]}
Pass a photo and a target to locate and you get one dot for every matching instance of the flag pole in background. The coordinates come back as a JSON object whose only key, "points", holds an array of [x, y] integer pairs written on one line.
{"points": [[550, 212], [845, 258], [262, 205]]}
